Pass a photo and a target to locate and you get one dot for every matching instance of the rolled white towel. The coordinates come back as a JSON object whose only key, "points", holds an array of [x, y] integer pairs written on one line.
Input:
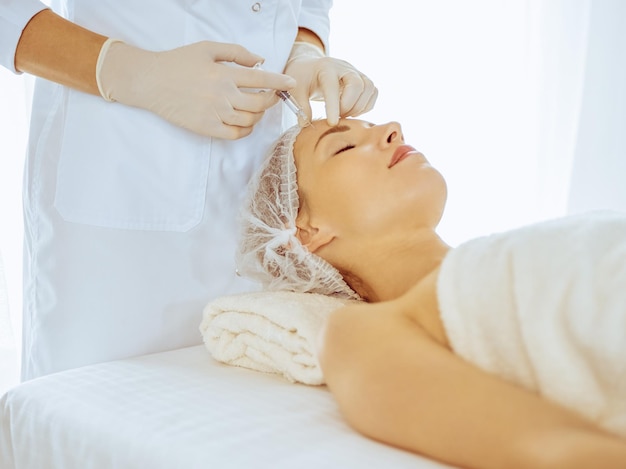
{"points": [[269, 331]]}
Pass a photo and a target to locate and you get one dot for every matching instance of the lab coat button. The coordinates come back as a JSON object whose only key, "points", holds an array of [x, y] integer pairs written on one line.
{"points": [[256, 7]]}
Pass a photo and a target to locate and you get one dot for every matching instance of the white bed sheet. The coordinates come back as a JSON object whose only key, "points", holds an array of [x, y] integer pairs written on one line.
{"points": [[181, 410]]}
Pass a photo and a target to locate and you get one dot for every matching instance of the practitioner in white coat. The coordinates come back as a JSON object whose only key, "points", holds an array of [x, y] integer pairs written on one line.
{"points": [[142, 139]]}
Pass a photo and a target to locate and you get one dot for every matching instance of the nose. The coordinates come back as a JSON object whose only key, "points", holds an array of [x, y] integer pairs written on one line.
{"points": [[391, 133]]}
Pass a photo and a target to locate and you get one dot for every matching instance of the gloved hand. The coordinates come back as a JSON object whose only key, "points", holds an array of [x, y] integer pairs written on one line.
{"points": [[345, 90], [197, 86]]}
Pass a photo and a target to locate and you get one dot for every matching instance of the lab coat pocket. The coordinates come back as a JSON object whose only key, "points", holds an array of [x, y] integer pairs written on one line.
{"points": [[126, 168]]}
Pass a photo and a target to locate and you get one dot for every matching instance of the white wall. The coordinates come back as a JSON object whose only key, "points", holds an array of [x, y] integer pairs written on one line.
{"points": [[455, 74]]}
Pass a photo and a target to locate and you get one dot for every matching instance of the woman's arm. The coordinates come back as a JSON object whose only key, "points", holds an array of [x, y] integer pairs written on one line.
{"points": [[56, 49], [396, 384]]}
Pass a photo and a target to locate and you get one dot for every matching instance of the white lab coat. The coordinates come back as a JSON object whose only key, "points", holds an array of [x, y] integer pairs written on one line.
{"points": [[131, 222]]}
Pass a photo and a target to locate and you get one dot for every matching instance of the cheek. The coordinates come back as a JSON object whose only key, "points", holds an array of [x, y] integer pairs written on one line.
{"points": [[361, 208], [343, 199], [416, 200], [357, 203]]}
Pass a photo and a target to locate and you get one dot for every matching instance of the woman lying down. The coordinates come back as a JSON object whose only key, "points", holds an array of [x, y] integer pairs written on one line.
{"points": [[508, 351]]}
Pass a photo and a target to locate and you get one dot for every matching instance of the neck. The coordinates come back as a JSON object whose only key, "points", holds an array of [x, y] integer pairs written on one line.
{"points": [[389, 269]]}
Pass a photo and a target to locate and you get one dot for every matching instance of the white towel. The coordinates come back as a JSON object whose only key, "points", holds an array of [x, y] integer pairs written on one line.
{"points": [[545, 307], [273, 332]]}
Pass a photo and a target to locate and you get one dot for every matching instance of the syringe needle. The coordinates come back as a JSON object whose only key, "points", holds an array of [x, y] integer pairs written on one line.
{"points": [[294, 107], [291, 103]]}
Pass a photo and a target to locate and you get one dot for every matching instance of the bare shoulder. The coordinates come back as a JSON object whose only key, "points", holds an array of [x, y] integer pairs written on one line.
{"points": [[421, 304], [416, 313], [358, 330], [358, 336]]}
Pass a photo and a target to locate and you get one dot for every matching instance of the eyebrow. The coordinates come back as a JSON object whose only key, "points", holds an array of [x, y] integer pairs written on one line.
{"points": [[332, 130]]}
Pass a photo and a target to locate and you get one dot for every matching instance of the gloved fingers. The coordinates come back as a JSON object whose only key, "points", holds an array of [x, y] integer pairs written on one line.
{"points": [[226, 52], [358, 94], [253, 101], [329, 86], [213, 124], [224, 86], [224, 112], [221, 119], [370, 104], [240, 118], [261, 79], [352, 86], [231, 113], [191, 87]]}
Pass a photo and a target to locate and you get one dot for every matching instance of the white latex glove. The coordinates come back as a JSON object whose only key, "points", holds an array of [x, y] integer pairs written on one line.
{"points": [[197, 86], [345, 90]]}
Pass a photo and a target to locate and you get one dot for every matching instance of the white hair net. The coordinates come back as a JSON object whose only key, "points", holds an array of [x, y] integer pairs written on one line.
{"points": [[269, 250]]}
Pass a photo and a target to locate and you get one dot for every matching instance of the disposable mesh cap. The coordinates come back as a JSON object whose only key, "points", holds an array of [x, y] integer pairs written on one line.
{"points": [[269, 251]]}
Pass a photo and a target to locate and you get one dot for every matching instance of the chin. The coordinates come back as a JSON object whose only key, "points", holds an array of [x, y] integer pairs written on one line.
{"points": [[429, 200]]}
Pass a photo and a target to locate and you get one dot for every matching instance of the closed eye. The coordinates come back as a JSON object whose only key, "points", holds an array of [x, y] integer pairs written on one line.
{"points": [[346, 148]]}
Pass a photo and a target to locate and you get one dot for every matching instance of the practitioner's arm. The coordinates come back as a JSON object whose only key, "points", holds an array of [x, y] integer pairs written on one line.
{"points": [[306, 35], [396, 384], [189, 86], [58, 50]]}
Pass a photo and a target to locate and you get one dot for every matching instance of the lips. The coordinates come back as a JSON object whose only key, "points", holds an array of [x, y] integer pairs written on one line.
{"points": [[401, 153]]}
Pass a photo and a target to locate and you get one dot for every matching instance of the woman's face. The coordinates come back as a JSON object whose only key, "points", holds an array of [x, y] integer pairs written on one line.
{"points": [[363, 179]]}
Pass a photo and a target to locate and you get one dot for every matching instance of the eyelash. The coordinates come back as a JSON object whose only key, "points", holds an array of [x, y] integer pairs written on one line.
{"points": [[346, 148]]}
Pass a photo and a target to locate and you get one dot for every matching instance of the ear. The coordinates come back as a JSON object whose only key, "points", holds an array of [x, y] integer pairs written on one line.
{"points": [[311, 236]]}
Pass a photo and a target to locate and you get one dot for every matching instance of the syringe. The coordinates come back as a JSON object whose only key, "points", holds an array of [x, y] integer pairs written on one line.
{"points": [[291, 103]]}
